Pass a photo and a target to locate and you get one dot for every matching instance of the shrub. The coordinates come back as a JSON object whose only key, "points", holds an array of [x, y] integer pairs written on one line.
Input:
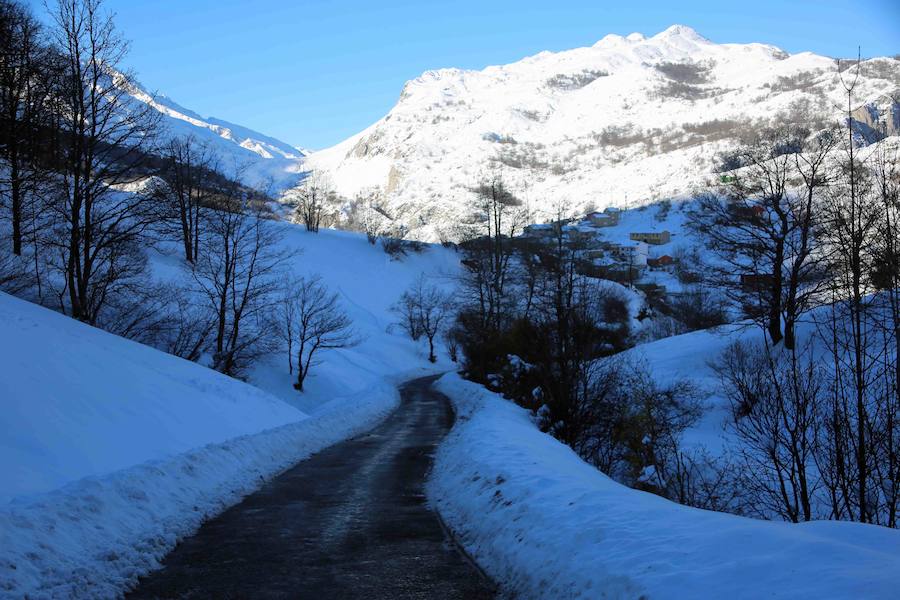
{"points": [[799, 81], [574, 81], [689, 73]]}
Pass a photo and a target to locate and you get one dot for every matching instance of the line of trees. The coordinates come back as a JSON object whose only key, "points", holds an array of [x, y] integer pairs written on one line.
{"points": [[810, 229], [90, 183], [68, 146]]}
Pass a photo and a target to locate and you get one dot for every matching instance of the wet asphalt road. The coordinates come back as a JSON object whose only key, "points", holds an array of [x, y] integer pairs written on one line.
{"points": [[350, 522]]}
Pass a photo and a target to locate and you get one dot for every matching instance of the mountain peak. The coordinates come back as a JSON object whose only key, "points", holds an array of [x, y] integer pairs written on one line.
{"points": [[633, 117], [681, 32], [673, 34]]}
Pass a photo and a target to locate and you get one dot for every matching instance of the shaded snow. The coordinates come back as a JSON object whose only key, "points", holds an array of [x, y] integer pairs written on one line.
{"points": [[545, 524], [78, 402], [112, 451]]}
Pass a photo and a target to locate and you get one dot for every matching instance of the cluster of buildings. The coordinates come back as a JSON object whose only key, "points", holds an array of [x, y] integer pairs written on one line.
{"points": [[608, 256]]}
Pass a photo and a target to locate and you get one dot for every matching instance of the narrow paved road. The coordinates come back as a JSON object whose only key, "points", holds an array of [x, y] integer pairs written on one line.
{"points": [[350, 522]]}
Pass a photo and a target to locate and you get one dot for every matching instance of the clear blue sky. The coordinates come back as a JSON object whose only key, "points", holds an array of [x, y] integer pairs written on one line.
{"points": [[313, 72]]}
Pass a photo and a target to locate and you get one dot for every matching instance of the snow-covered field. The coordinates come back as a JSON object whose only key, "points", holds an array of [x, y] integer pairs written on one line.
{"points": [[545, 524], [112, 451], [689, 357]]}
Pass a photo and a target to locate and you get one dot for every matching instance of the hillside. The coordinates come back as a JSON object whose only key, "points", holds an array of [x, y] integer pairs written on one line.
{"points": [[257, 159], [624, 122], [110, 403]]}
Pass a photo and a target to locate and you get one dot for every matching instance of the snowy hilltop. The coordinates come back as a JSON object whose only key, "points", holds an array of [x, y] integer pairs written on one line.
{"points": [[621, 123], [256, 159]]}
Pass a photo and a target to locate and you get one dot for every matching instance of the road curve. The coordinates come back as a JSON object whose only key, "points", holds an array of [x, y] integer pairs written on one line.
{"points": [[350, 522]]}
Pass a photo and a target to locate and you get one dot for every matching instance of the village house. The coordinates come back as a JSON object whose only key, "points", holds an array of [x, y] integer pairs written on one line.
{"points": [[633, 254], [538, 230], [652, 237], [575, 234], [741, 211], [546, 229], [607, 218], [661, 263]]}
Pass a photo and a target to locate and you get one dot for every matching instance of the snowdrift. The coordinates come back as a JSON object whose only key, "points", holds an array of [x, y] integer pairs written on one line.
{"points": [[78, 401], [545, 524]]}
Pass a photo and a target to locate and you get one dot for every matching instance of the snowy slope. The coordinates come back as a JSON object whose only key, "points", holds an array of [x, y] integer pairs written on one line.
{"points": [[368, 282], [257, 158], [81, 402], [545, 524], [118, 393], [78, 401], [613, 124]]}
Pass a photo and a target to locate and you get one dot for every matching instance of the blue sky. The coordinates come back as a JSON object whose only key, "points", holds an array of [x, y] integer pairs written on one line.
{"points": [[314, 72]]}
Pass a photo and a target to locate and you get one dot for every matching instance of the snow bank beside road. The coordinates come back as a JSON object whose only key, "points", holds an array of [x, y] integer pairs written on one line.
{"points": [[111, 451], [544, 524], [93, 537]]}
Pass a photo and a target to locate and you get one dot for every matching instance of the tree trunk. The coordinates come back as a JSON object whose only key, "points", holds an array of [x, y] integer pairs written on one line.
{"points": [[16, 197]]}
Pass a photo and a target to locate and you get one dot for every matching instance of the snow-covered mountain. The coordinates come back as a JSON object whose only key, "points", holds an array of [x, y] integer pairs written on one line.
{"points": [[623, 122], [258, 159]]}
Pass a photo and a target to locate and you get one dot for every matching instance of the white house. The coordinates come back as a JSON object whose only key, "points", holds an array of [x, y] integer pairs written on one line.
{"points": [[633, 254]]}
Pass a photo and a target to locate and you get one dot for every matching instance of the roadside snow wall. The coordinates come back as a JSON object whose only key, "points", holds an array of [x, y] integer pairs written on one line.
{"points": [[94, 537], [545, 524]]}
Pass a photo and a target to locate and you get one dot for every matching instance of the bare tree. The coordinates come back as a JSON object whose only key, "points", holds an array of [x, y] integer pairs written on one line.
{"points": [[375, 219], [312, 320], [27, 71], [189, 327], [312, 197], [762, 224], [191, 177], [886, 185], [237, 272], [424, 310], [367, 212], [852, 220], [107, 140], [775, 411], [407, 311], [497, 216]]}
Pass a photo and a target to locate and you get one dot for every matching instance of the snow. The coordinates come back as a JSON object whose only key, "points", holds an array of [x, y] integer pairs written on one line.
{"points": [[81, 402], [257, 159], [368, 282], [94, 537], [545, 524], [689, 357], [448, 125], [112, 451]]}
